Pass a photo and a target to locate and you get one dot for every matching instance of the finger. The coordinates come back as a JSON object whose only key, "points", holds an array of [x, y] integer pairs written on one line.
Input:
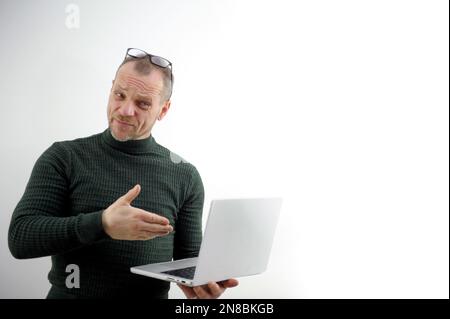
{"points": [[150, 235], [188, 291], [201, 292], [230, 283], [146, 236], [129, 196], [152, 218], [154, 228], [215, 289]]}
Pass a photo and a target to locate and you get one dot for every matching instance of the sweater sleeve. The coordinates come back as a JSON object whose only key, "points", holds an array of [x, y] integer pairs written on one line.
{"points": [[41, 224], [188, 228]]}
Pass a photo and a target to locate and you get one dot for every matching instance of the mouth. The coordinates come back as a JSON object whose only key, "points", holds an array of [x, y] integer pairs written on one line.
{"points": [[122, 122]]}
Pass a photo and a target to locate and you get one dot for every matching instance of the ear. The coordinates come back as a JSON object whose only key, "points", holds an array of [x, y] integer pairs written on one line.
{"points": [[165, 108]]}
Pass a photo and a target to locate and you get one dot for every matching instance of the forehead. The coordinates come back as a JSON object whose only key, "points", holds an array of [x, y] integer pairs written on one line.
{"points": [[127, 78]]}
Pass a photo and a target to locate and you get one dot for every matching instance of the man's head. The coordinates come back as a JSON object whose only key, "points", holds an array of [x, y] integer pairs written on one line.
{"points": [[140, 95]]}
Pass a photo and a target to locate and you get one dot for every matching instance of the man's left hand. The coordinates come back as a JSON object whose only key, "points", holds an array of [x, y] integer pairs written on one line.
{"points": [[212, 290]]}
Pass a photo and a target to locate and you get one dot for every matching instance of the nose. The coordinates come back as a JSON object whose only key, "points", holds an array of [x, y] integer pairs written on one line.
{"points": [[126, 109]]}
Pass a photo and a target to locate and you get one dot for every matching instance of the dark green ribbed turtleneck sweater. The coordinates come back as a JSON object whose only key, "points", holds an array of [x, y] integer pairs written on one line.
{"points": [[72, 183]]}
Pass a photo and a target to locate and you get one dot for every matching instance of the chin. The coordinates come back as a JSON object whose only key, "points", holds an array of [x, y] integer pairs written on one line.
{"points": [[121, 137]]}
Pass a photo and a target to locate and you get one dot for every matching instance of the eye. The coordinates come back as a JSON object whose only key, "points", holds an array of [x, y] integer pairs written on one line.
{"points": [[144, 105], [119, 95]]}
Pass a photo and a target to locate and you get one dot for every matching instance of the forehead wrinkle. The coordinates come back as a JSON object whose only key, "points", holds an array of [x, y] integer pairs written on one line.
{"points": [[142, 85]]}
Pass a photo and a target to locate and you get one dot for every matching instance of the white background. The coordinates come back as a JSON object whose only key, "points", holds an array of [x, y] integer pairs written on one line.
{"points": [[340, 107]]}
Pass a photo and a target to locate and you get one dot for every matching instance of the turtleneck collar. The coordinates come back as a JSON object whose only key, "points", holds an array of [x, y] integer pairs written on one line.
{"points": [[132, 146]]}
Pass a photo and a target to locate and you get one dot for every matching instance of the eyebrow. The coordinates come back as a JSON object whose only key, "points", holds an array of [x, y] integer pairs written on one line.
{"points": [[142, 96], [145, 97]]}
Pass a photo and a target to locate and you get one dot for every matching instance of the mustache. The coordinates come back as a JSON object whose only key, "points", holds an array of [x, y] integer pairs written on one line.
{"points": [[123, 119]]}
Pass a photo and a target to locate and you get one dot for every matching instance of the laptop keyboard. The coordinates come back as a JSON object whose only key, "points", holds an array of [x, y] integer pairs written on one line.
{"points": [[183, 272]]}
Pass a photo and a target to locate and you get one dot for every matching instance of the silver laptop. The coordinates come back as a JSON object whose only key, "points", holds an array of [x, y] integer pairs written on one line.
{"points": [[237, 242]]}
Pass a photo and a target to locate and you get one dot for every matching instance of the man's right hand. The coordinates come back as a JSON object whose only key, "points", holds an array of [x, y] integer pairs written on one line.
{"points": [[121, 221]]}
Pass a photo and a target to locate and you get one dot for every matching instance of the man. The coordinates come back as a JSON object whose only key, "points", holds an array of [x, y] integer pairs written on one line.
{"points": [[104, 203]]}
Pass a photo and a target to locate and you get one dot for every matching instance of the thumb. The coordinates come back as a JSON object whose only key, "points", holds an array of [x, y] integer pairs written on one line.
{"points": [[130, 196], [230, 283]]}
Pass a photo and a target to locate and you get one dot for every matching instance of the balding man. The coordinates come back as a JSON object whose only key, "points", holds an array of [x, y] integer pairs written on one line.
{"points": [[102, 204]]}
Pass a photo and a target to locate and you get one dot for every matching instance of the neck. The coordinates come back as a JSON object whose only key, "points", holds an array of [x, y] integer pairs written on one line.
{"points": [[131, 146], [129, 138]]}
